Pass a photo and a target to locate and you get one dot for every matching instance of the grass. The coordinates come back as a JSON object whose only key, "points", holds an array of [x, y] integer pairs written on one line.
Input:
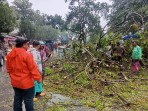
{"points": [[69, 79], [56, 108]]}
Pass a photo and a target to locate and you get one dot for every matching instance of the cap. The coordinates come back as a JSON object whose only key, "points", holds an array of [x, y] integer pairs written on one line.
{"points": [[21, 40]]}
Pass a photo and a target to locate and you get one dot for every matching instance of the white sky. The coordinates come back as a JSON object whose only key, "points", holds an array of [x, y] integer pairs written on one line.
{"points": [[52, 7]]}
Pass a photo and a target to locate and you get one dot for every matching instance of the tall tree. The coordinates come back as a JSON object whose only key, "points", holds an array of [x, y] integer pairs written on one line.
{"points": [[84, 17], [33, 24], [25, 11], [24, 8], [46, 32], [3, 1], [125, 14], [56, 21], [7, 20]]}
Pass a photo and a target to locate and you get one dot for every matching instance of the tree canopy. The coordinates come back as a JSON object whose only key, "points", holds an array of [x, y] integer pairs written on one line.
{"points": [[7, 20], [56, 21], [34, 24], [125, 13], [84, 17]]}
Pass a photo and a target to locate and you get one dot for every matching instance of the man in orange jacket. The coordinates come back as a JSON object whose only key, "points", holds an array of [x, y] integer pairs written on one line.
{"points": [[23, 71]]}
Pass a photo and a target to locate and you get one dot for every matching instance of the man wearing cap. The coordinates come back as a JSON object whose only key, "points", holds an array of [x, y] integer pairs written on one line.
{"points": [[23, 71]]}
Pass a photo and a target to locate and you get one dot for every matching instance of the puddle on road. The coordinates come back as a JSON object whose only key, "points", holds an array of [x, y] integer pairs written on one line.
{"points": [[68, 103]]}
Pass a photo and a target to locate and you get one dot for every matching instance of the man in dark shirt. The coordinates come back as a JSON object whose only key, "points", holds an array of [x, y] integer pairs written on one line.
{"points": [[118, 52]]}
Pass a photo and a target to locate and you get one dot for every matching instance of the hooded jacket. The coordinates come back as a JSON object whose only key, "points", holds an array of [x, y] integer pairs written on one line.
{"points": [[22, 68]]}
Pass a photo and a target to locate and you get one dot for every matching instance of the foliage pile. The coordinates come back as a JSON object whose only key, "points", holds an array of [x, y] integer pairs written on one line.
{"points": [[107, 88]]}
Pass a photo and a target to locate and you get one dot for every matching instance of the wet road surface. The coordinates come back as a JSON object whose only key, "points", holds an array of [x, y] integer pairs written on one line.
{"points": [[6, 91], [6, 97]]}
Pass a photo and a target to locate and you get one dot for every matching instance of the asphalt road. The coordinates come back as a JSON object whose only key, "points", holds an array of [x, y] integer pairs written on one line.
{"points": [[6, 91]]}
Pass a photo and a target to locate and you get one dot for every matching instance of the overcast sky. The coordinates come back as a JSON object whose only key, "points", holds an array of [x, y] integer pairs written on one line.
{"points": [[52, 7]]}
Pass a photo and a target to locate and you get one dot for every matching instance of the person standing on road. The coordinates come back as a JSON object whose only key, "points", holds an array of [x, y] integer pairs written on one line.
{"points": [[45, 55], [37, 58], [23, 71]]}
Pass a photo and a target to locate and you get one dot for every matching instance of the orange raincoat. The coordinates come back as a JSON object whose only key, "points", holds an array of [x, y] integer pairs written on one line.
{"points": [[22, 68]]}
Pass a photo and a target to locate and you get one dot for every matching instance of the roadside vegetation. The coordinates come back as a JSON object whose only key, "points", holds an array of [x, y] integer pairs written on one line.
{"points": [[104, 87]]}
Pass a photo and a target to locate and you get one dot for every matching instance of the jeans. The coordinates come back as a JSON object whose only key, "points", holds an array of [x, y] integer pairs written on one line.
{"points": [[25, 95]]}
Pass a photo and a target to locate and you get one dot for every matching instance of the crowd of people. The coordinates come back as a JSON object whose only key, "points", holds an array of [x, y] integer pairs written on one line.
{"points": [[25, 64]]}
